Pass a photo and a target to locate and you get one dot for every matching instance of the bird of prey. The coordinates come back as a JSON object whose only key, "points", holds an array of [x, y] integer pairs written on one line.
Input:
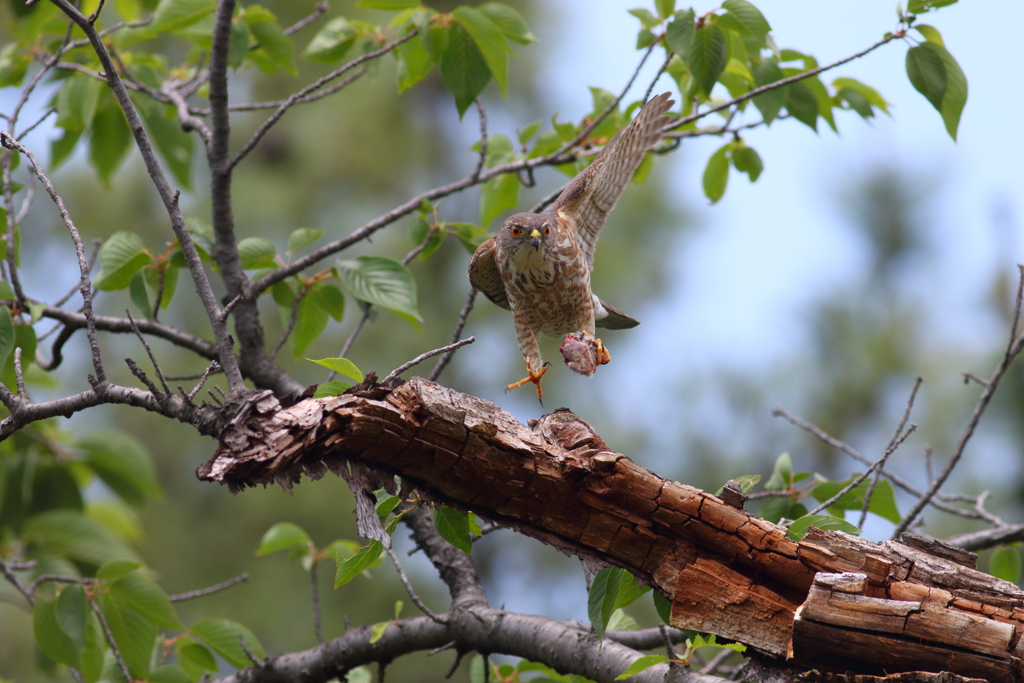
{"points": [[538, 266]]}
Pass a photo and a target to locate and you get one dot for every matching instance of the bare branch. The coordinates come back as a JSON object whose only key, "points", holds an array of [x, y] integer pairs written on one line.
{"points": [[149, 352], [483, 137], [203, 592], [409, 589], [291, 321], [424, 356], [314, 587], [321, 9], [8, 569], [213, 367], [443, 361]]}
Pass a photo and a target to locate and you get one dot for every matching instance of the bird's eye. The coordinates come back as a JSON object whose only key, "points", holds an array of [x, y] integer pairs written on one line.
{"points": [[517, 231], [547, 231]]}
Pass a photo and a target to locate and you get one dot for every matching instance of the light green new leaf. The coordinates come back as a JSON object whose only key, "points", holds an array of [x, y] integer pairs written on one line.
{"points": [[453, 525], [527, 132], [377, 632], [71, 611], [303, 237], [646, 17], [355, 565], [13, 66], [283, 536], [883, 498], [174, 15], [257, 252], [497, 195], [70, 534], [716, 173], [121, 255], [707, 56], [612, 588], [872, 96], [331, 299], [223, 637], [387, 4], [782, 474], [342, 365], [746, 482], [273, 42], [414, 63], [748, 17], [662, 605], [641, 664], [1004, 563], [489, 40], [145, 597], [333, 388], [922, 6], [464, 70], [152, 279], [382, 282], [331, 42], [747, 160], [930, 33], [123, 464], [50, 638], [665, 8], [169, 673], [825, 522], [509, 22]]}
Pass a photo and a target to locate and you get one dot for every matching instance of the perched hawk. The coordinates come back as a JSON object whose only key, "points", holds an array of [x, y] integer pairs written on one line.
{"points": [[538, 266]]}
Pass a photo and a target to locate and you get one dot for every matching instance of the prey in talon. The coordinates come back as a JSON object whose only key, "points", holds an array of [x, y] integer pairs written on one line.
{"points": [[538, 266]]}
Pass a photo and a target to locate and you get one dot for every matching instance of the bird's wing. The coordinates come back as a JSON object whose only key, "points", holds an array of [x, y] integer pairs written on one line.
{"points": [[615, 319], [592, 194], [484, 275]]}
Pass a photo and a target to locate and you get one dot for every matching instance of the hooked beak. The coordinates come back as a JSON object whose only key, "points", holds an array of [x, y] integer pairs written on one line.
{"points": [[535, 238]]}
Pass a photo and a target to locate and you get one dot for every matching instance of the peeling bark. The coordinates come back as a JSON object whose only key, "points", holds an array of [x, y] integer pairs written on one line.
{"points": [[916, 607]]}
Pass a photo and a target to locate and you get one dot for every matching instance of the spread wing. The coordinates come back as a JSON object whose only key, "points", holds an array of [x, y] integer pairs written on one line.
{"points": [[592, 194], [484, 275]]}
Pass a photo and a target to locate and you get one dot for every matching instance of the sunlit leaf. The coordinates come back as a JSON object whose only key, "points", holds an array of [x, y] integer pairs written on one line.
{"points": [[355, 565], [1004, 563], [641, 664], [116, 568], [463, 68], [225, 638], [453, 525], [382, 282], [257, 252], [121, 255], [341, 365], [509, 22], [331, 42], [489, 40], [825, 522], [716, 173], [707, 56], [612, 588], [283, 536]]}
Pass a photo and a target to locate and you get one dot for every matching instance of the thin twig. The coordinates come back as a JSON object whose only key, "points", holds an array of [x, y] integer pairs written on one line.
{"points": [[110, 641], [654, 81], [8, 569], [424, 356], [715, 662], [483, 138], [202, 592], [443, 361], [547, 201], [143, 377], [31, 128], [292, 318], [213, 367], [256, 661], [149, 352], [314, 588], [321, 9], [19, 377], [412, 593]]}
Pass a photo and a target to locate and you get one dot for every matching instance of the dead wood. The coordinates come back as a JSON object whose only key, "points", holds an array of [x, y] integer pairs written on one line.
{"points": [[832, 601]]}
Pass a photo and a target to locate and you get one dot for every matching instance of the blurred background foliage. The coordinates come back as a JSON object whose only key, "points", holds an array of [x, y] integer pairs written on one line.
{"points": [[848, 367]]}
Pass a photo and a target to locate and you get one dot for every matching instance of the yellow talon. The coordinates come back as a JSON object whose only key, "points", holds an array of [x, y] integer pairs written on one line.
{"points": [[531, 377]]}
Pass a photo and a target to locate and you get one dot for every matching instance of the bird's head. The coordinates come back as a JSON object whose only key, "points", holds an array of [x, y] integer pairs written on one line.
{"points": [[523, 230]]}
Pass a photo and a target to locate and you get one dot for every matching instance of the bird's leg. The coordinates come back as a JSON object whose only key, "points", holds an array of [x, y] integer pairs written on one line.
{"points": [[603, 356], [531, 377]]}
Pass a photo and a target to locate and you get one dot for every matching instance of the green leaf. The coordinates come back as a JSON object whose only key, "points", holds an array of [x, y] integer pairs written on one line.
{"points": [[620, 621], [782, 507], [611, 589], [747, 160], [174, 144], [174, 15], [341, 365], [415, 63], [238, 44], [71, 611], [498, 195], [138, 294], [195, 659], [333, 388], [355, 565], [716, 173], [679, 32], [644, 38], [50, 638], [927, 72], [110, 139], [310, 321], [123, 464], [420, 231], [331, 42], [382, 282], [802, 104], [748, 18], [76, 102], [273, 42], [527, 132], [641, 664], [152, 278], [746, 482], [782, 475], [825, 522], [464, 70], [662, 605], [707, 56], [489, 40], [331, 299], [121, 255], [646, 17], [930, 33], [771, 102], [7, 334], [145, 597], [133, 632], [222, 635], [257, 252], [70, 534], [303, 237], [169, 673], [453, 525], [870, 94], [956, 91], [360, 674], [13, 66], [509, 22], [1004, 563], [377, 632], [665, 8], [283, 536], [470, 234], [922, 6], [116, 569]]}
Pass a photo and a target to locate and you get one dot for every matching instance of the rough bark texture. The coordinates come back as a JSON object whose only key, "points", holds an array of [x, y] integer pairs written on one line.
{"points": [[900, 607]]}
